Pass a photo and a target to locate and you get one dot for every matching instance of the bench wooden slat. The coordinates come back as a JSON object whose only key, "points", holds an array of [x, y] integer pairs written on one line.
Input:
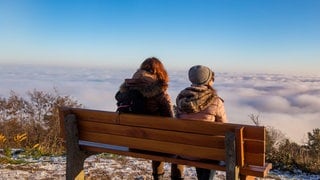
{"points": [[185, 125], [205, 127], [96, 116], [154, 134], [92, 115], [154, 156], [247, 170], [157, 146]]}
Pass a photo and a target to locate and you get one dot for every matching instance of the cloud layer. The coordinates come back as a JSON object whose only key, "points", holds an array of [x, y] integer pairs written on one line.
{"points": [[286, 102]]}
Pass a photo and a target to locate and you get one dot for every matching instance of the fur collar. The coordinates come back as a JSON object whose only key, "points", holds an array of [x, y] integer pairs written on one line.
{"points": [[144, 82], [148, 91], [195, 99]]}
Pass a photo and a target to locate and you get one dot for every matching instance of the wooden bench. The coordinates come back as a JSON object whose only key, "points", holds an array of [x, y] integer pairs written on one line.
{"points": [[88, 132]]}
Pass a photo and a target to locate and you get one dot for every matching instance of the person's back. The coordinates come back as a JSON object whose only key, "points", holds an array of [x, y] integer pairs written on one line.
{"points": [[148, 88], [192, 104], [200, 101]]}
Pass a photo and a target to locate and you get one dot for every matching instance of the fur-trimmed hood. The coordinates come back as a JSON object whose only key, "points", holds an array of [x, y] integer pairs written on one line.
{"points": [[195, 99], [144, 82]]}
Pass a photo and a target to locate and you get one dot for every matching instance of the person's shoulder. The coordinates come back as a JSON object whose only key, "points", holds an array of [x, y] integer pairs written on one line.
{"points": [[186, 90], [220, 99], [164, 95]]}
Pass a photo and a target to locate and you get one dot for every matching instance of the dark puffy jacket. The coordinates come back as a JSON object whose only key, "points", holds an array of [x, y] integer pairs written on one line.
{"points": [[156, 99]]}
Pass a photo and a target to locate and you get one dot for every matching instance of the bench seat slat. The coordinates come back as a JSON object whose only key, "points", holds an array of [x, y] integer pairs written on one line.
{"points": [[157, 146], [157, 157]]}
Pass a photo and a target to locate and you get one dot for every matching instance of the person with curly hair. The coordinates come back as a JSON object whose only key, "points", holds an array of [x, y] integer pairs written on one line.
{"points": [[146, 93]]}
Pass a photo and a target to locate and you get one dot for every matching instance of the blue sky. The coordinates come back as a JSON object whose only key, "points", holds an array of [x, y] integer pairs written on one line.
{"points": [[266, 36]]}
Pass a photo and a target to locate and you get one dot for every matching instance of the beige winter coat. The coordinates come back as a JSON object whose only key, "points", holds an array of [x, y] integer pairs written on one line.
{"points": [[200, 103]]}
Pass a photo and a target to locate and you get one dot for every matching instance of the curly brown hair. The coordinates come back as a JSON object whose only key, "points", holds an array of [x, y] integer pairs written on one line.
{"points": [[154, 66]]}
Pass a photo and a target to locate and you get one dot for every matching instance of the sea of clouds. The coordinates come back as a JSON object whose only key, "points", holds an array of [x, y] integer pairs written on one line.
{"points": [[285, 102]]}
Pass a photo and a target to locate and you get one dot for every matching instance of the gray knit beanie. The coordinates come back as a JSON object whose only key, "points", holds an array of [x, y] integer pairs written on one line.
{"points": [[200, 75]]}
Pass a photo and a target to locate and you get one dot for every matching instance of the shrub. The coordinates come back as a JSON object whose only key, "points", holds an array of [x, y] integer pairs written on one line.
{"points": [[26, 122], [289, 156]]}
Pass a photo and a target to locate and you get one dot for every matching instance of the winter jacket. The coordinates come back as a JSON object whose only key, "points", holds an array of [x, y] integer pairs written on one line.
{"points": [[156, 99], [200, 103]]}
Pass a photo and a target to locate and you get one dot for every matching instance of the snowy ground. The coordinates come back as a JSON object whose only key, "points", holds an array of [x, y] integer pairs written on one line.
{"points": [[100, 167]]}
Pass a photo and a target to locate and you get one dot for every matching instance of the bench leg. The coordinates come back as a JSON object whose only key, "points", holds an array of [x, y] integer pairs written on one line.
{"points": [[75, 157], [232, 170]]}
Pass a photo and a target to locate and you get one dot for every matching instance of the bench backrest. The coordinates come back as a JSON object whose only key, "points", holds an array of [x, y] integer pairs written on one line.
{"points": [[190, 139]]}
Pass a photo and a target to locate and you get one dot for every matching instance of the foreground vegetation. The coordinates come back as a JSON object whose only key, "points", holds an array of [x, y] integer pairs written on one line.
{"points": [[32, 124], [290, 156]]}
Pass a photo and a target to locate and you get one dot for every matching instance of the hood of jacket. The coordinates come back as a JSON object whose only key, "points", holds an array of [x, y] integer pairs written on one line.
{"points": [[195, 99], [144, 82]]}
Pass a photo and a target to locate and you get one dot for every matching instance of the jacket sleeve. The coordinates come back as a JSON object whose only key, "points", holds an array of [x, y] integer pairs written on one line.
{"points": [[120, 95]]}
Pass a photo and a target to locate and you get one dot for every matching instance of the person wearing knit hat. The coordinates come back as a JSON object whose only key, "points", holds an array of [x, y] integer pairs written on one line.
{"points": [[200, 101], [199, 75]]}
